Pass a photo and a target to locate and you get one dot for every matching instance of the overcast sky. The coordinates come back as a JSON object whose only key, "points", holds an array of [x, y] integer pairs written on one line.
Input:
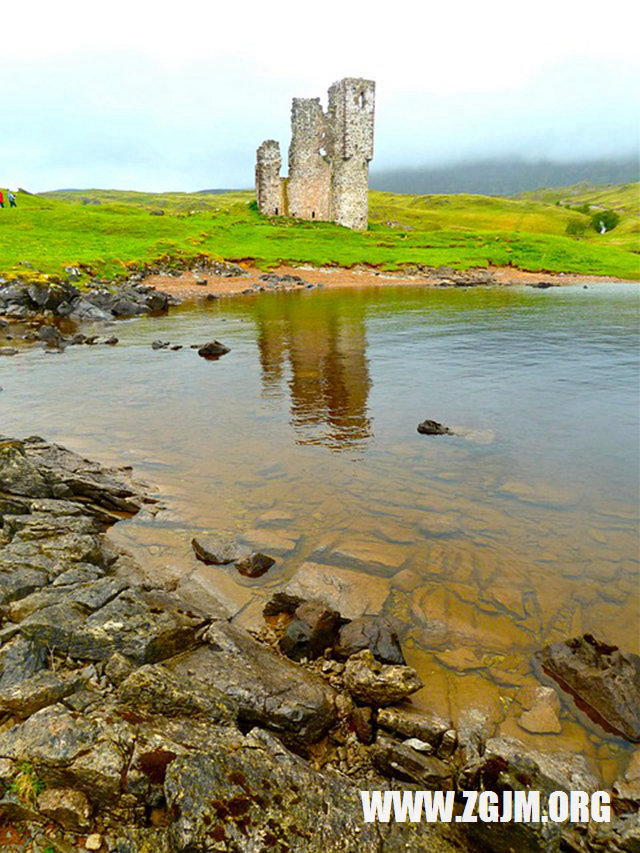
{"points": [[177, 96]]}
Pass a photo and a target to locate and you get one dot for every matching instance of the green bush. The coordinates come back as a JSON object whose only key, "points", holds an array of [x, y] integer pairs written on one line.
{"points": [[604, 220], [576, 228]]}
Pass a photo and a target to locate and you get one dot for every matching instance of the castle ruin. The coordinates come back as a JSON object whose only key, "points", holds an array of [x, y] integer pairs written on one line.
{"points": [[329, 158]]}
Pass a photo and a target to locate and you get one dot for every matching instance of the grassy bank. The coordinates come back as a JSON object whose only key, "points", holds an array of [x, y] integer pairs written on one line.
{"points": [[107, 230]]}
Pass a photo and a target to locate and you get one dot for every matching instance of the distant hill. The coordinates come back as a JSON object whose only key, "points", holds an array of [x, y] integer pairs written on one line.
{"points": [[504, 177]]}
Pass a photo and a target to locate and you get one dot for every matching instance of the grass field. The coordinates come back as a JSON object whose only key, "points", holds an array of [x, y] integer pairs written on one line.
{"points": [[108, 231]]}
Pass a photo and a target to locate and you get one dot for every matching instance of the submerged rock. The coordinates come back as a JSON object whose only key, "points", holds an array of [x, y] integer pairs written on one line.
{"points": [[604, 681]]}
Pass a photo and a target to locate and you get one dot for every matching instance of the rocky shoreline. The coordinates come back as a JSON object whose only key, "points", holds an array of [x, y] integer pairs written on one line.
{"points": [[132, 721]]}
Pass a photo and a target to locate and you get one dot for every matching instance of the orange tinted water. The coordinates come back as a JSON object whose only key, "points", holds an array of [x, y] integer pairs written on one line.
{"points": [[519, 530]]}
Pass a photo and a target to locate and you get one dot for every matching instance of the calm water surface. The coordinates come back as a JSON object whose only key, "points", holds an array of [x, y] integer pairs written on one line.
{"points": [[519, 530]]}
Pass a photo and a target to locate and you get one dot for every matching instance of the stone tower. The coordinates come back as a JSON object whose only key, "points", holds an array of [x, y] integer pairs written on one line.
{"points": [[329, 158]]}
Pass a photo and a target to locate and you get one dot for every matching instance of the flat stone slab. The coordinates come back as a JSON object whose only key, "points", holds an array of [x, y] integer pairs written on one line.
{"points": [[350, 592]]}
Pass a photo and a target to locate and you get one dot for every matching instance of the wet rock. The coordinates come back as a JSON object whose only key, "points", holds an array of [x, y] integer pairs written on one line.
{"points": [[350, 592], [543, 710], [433, 428], [51, 335], [160, 344], [282, 602], [254, 565], [313, 630], [399, 761], [604, 681], [373, 683], [408, 722], [370, 632], [295, 642], [144, 626], [460, 659], [217, 552], [267, 689], [214, 349], [68, 808]]}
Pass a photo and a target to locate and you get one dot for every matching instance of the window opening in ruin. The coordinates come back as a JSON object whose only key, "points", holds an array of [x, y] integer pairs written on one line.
{"points": [[361, 99], [313, 214], [276, 211], [322, 151]]}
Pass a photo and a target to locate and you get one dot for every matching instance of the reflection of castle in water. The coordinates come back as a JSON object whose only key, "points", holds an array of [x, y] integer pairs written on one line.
{"points": [[329, 376]]}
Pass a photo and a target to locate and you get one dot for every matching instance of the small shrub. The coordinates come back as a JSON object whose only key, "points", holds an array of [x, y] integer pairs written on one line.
{"points": [[604, 220], [576, 228], [26, 786]]}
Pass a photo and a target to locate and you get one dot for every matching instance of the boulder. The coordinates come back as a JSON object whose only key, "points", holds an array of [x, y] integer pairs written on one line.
{"points": [[145, 626], [254, 565], [370, 632], [604, 680], [313, 630], [266, 689], [376, 684]]}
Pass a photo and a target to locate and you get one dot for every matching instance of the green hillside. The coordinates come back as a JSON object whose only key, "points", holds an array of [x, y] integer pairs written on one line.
{"points": [[110, 231]]}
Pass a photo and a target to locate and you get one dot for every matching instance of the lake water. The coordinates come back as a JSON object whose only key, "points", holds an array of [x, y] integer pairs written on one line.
{"points": [[519, 530]]}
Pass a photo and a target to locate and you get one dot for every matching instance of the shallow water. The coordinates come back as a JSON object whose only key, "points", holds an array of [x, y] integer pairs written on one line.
{"points": [[520, 529]]}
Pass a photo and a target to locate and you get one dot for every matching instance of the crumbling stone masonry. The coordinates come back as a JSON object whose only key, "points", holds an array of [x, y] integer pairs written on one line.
{"points": [[329, 158]]}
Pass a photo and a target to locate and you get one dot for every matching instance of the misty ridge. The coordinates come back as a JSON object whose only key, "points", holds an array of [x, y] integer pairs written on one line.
{"points": [[504, 176]]}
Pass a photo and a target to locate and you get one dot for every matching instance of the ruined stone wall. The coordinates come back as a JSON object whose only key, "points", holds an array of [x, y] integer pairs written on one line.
{"points": [[351, 117], [269, 185], [329, 158], [309, 185]]}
